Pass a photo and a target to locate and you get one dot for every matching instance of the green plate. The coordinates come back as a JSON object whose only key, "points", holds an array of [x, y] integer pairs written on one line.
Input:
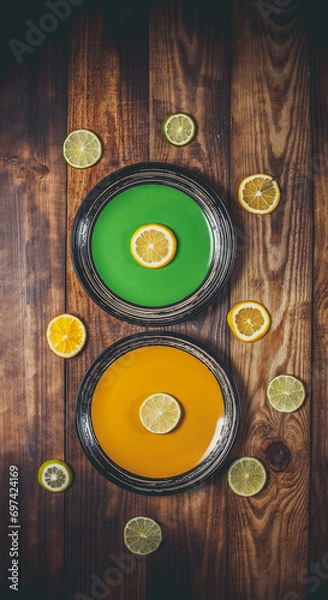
{"points": [[152, 193]]}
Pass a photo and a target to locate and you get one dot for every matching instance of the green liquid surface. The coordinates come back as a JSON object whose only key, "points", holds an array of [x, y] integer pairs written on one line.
{"points": [[142, 205]]}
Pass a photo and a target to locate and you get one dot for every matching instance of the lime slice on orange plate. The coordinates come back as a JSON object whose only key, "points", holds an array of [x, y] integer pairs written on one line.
{"points": [[160, 413]]}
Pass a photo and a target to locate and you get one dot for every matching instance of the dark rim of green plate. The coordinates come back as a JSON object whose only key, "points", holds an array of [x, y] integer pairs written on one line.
{"points": [[136, 483], [153, 173]]}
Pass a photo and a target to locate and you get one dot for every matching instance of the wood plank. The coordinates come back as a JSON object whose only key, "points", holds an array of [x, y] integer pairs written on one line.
{"points": [[108, 93], [33, 223], [271, 133], [316, 580], [189, 72]]}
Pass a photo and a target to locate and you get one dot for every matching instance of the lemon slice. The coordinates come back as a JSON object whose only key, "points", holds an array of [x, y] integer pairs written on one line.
{"points": [[259, 194], [160, 413], [66, 335], [142, 535], [285, 393], [153, 246], [82, 149], [249, 320], [55, 476], [246, 476], [179, 129]]}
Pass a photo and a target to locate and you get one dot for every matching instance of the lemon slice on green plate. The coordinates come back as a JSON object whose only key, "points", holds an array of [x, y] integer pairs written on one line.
{"points": [[55, 476], [153, 246], [142, 535]]}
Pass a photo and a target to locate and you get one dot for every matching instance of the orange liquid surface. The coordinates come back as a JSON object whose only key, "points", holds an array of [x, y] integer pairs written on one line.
{"points": [[128, 382]]}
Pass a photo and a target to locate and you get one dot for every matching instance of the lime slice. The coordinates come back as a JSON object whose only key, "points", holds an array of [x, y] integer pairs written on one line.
{"points": [[160, 413], [55, 476], [285, 393], [179, 129], [246, 476], [142, 535], [82, 149]]}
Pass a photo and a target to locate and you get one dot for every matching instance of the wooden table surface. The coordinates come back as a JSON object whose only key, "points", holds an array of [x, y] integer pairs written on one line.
{"points": [[254, 75]]}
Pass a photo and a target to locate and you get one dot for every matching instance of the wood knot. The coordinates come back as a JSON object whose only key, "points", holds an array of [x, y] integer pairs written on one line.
{"points": [[26, 168], [278, 456]]}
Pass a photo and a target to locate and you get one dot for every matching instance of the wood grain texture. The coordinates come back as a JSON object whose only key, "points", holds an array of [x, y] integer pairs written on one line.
{"points": [[33, 222], [248, 74], [270, 109], [108, 93], [316, 579], [189, 58], [189, 72]]}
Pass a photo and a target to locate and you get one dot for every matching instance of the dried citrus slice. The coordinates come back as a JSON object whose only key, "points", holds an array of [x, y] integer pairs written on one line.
{"points": [[82, 149], [142, 535], [249, 320], [246, 476], [55, 476], [259, 194], [66, 335], [285, 393], [153, 246], [179, 129], [160, 413]]}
